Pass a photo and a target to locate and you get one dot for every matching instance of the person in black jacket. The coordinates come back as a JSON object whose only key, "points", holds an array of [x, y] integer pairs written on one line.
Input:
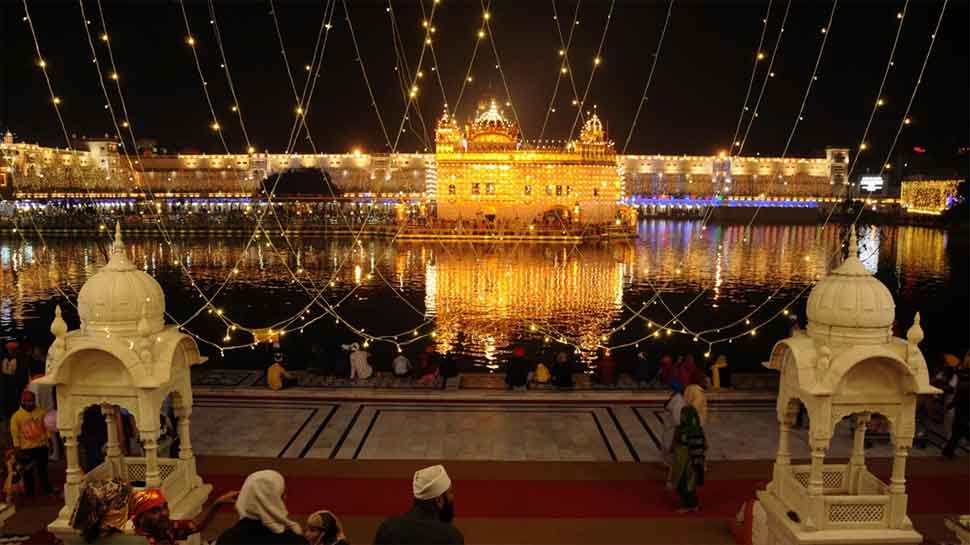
{"points": [[429, 520], [262, 514]]}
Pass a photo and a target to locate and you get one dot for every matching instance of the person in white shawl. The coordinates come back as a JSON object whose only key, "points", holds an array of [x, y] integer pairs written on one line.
{"points": [[263, 518]]}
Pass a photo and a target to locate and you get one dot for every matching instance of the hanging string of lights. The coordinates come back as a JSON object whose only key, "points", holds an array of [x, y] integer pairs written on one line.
{"points": [[151, 205], [294, 276], [758, 57], [597, 60], [413, 80], [330, 189], [764, 83], [363, 71], [646, 86], [799, 117], [900, 16], [880, 101], [487, 19], [479, 35], [402, 69], [564, 68], [905, 121]]}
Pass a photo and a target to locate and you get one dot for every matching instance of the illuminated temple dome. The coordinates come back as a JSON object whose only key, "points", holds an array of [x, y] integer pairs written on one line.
{"points": [[487, 174], [490, 127], [592, 131]]}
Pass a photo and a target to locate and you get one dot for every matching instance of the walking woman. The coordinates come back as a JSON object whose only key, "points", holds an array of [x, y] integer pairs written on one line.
{"points": [[688, 450]]}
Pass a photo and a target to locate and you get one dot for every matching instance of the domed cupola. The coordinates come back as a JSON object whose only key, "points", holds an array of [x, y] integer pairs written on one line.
{"points": [[592, 131], [121, 299], [491, 128], [850, 305]]}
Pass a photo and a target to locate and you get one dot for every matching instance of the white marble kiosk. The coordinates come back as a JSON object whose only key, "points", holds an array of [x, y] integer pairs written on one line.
{"points": [[846, 365], [125, 356]]}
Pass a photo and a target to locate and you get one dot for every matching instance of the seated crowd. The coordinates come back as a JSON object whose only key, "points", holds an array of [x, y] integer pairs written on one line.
{"points": [[354, 362]]}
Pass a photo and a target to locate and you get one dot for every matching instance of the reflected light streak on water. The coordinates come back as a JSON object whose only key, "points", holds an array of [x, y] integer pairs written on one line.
{"points": [[484, 297]]}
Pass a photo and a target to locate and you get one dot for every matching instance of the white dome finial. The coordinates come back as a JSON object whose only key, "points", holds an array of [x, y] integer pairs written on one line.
{"points": [[58, 326], [119, 257], [915, 333], [853, 243]]}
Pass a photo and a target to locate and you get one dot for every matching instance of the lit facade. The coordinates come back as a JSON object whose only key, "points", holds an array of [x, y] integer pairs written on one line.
{"points": [[931, 197], [703, 175], [486, 172], [586, 172]]}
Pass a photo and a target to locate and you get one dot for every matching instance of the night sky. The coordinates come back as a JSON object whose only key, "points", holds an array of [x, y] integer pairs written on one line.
{"points": [[693, 107]]}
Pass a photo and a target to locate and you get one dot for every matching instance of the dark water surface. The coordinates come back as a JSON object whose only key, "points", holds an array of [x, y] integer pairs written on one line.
{"points": [[479, 299]]}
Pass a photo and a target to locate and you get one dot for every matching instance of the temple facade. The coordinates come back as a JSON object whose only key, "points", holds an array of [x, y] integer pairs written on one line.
{"points": [[486, 172]]}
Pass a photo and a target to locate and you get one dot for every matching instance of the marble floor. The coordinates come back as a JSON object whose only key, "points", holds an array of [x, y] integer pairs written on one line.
{"points": [[489, 431]]}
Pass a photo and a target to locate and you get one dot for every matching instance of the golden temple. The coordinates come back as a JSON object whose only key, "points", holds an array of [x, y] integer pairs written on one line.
{"points": [[486, 172]]}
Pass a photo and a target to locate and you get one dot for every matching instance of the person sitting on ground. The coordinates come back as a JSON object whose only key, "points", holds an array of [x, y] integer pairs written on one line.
{"points": [[150, 515], [606, 369], [449, 365], [517, 376], [562, 371], [263, 518], [427, 371], [688, 454], [644, 371], [542, 374], [430, 518], [401, 365], [324, 528], [277, 377], [360, 368]]}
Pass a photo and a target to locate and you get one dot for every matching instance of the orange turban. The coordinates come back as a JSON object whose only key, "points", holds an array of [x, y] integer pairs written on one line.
{"points": [[146, 500]]}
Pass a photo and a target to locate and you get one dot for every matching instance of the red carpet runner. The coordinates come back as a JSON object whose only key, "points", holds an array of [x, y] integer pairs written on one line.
{"points": [[562, 499]]}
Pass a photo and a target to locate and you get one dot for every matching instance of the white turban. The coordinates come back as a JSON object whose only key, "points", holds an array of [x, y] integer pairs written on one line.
{"points": [[430, 482], [261, 498]]}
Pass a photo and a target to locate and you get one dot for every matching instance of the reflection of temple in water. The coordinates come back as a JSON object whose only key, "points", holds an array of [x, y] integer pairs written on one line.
{"points": [[488, 299]]}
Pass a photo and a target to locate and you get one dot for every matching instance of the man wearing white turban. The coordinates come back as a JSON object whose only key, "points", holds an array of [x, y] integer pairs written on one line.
{"points": [[263, 518], [429, 520]]}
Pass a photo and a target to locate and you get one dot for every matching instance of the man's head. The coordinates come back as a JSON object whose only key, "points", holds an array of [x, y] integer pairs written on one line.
{"points": [[432, 485], [28, 400], [149, 511]]}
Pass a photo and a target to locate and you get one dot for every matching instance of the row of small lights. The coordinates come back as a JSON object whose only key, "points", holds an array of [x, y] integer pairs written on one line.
{"points": [[114, 76]]}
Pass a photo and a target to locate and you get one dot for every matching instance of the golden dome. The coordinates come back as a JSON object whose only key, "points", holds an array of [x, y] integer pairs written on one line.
{"points": [[490, 126], [592, 130]]}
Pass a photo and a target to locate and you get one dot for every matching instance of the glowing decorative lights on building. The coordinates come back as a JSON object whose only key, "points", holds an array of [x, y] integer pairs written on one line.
{"points": [[487, 172], [928, 196]]}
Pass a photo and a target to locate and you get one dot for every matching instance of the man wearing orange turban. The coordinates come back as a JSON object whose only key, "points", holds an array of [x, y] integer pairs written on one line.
{"points": [[149, 513]]}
